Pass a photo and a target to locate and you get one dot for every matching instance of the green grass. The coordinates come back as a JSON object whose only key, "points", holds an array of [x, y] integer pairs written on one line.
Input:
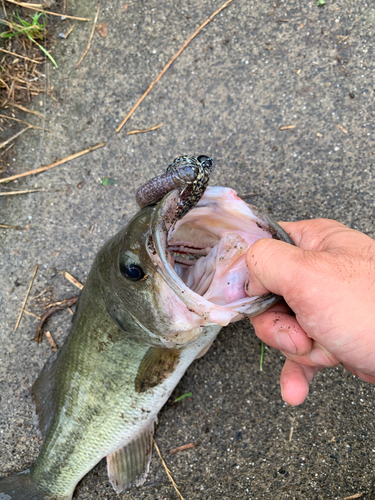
{"points": [[34, 30], [261, 356], [183, 396]]}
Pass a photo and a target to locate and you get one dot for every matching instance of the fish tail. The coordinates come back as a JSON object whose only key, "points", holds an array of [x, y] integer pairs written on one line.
{"points": [[21, 487]]}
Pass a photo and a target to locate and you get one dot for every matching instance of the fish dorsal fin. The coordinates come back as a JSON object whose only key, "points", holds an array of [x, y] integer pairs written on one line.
{"points": [[42, 392], [157, 365], [129, 465]]}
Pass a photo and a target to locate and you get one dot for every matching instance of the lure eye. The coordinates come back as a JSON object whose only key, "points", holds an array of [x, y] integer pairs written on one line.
{"points": [[205, 161], [132, 272]]}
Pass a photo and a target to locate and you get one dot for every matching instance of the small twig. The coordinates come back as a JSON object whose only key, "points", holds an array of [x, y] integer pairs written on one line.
{"points": [[167, 471], [22, 4], [40, 294], [72, 279], [9, 193], [25, 123], [357, 495], [4, 9], [22, 108], [165, 69], [3, 144], [69, 31], [51, 341], [52, 165], [63, 305], [8, 148], [54, 304], [22, 57], [286, 127], [31, 314], [92, 34], [37, 6], [342, 128], [182, 448], [291, 433], [8, 226], [155, 127], [27, 295]]}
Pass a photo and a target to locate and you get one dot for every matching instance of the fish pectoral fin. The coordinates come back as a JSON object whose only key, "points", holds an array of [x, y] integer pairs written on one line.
{"points": [[129, 465], [157, 365]]}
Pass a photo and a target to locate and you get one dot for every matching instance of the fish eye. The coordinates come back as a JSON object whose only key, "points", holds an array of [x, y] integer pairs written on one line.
{"points": [[132, 272], [205, 161]]}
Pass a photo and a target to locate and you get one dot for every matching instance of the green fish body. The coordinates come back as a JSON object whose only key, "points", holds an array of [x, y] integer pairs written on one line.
{"points": [[136, 330]]}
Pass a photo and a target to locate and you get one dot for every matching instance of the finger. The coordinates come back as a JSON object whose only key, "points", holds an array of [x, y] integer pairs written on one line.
{"points": [[363, 376], [294, 382], [274, 266], [312, 234], [317, 357], [278, 328]]}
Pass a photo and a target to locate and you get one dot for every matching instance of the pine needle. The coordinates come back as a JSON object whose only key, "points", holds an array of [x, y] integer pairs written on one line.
{"points": [[167, 471], [27, 295]]}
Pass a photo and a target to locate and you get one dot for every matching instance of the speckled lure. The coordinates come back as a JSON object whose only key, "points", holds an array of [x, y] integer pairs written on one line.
{"points": [[189, 174]]}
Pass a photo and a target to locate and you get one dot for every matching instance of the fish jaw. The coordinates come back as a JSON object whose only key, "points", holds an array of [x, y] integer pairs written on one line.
{"points": [[228, 225]]}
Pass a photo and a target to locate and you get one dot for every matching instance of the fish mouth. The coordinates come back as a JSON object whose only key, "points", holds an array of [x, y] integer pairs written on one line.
{"points": [[202, 256]]}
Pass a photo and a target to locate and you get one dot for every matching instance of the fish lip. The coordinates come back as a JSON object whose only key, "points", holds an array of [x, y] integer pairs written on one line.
{"points": [[160, 224]]}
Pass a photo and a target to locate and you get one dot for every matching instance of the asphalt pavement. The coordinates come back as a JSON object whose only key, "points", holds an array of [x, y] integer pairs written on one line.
{"points": [[281, 96]]}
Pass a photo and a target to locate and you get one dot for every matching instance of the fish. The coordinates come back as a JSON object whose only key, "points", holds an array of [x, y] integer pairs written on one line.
{"points": [[156, 297]]}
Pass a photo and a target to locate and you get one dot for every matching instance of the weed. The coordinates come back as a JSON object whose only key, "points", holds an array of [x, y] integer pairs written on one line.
{"points": [[34, 30]]}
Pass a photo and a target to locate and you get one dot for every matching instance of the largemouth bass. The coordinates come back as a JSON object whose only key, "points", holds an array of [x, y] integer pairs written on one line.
{"points": [[155, 299]]}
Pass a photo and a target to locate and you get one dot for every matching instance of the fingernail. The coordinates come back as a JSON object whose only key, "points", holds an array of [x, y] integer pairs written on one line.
{"points": [[319, 357], [285, 343]]}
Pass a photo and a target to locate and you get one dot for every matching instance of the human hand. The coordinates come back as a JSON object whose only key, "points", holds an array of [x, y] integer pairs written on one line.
{"points": [[328, 282]]}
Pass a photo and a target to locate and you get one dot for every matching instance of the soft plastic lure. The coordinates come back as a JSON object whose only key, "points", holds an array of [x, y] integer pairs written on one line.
{"points": [[188, 174]]}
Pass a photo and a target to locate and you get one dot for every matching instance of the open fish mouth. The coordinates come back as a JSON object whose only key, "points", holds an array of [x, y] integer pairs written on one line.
{"points": [[202, 256]]}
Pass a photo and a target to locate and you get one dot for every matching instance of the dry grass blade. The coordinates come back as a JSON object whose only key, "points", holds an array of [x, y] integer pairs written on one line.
{"points": [[287, 127], [342, 128], [357, 495], [27, 295], [10, 193], [4, 9], [25, 123], [22, 108], [167, 471], [52, 165], [72, 280], [182, 448], [165, 69], [92, 34], [22, 57], [8, 226], [3, 144], [31, 314], [69, 31], [142, 131], [38, 7]]}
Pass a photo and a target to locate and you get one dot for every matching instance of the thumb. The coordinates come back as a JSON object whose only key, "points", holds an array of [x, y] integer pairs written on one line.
{"points": [[274, 266]]}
